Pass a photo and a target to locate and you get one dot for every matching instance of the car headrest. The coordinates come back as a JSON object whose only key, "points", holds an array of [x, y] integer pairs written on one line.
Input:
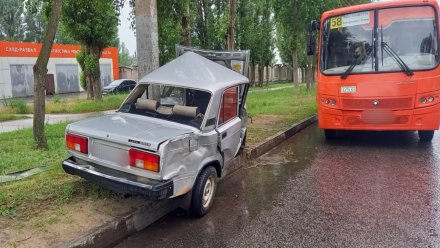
{"points": [[147, 104], [186, 111]]}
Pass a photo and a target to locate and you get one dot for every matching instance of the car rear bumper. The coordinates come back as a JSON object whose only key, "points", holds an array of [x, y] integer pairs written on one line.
{"points": [[119, 181]]}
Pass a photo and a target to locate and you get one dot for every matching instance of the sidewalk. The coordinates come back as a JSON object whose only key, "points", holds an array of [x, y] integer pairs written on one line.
{"points": [[9, 126]]}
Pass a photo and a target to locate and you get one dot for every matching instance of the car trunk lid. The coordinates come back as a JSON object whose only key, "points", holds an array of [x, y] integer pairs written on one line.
{"points": [[147, 133]]}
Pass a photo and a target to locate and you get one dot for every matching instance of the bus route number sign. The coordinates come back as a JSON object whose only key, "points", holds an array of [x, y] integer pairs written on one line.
{"points": [[348, 20], [336, 22]]}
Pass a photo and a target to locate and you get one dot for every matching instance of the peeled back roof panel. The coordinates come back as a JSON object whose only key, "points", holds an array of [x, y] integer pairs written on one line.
{"points": [[194, 71]]}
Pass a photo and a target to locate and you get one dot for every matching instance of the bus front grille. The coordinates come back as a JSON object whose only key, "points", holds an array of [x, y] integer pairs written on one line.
{"points": [[378, 103]]}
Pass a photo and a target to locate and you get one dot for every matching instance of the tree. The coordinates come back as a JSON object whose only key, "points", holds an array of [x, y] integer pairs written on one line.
{"points": [[35, 22], [231, 25], [169, 13], [11, 20], [147, 46], [93, 23], [40, 72], [124, 57], [210, 24], [186, 23]]}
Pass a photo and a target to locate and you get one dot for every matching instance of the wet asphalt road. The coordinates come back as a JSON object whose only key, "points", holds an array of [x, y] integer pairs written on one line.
{"points": [[365, 189]]}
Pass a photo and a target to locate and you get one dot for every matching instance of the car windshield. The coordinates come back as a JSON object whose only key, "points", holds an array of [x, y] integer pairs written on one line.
{"points": [[350, 39], [116, 83], [177, 104]]}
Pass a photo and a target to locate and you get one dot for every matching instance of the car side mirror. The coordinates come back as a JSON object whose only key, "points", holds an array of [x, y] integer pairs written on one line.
{"points": [[312, 27]]}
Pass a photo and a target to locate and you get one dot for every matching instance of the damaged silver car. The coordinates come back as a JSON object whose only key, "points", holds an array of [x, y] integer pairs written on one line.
{"points": [[177, 143]]}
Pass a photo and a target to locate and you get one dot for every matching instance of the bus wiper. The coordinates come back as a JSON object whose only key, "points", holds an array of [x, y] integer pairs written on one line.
{"points": [[358, 62], [397, 58]]}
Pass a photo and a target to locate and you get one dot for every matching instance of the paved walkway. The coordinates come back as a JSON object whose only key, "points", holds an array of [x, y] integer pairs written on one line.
{"points": [[9, 126], [270, 89]]}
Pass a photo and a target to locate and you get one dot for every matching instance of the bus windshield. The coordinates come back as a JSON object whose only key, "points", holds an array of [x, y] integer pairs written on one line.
{"points": [[408, 34]]}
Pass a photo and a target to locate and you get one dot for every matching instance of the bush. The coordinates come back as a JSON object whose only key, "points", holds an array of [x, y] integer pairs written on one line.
{"points": [[56, 98], [19, 106]]}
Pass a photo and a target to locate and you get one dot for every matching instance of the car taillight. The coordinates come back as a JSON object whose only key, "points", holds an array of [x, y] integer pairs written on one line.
{"points": [[77, 143], [144, 160]]}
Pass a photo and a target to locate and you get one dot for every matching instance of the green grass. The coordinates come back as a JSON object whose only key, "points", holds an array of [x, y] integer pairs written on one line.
{"points": [[71, 106], [286, 106], [11, 117], [28, 197]]}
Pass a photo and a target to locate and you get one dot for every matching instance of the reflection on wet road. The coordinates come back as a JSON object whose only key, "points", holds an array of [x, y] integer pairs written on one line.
{"points": [[365, 189]]}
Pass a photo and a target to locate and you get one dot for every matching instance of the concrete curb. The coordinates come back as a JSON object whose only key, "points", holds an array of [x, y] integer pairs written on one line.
{"points": [[113, 231]]}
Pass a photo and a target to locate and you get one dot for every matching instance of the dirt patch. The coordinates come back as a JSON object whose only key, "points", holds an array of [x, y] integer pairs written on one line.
{"points": [[262, 127], [55, 227]]}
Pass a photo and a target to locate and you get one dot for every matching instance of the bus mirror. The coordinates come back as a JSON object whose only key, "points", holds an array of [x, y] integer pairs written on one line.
{"points": [[311, 44], [312, 27]]}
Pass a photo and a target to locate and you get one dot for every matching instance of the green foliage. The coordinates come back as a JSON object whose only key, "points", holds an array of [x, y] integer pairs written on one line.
{"points": [[18, 106], [11, 20], [209, 22], [93, 23], [169, 18], [35, 21], [56, 98], [124, 57], [90, 22], [82, 80]]}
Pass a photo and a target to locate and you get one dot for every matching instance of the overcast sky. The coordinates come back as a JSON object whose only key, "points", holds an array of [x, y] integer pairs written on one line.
{"points": [[125, 33]]}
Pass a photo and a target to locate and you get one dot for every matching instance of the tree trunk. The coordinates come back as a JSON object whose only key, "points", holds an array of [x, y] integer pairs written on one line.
{"points": [[40, 72], [147, 47], [295, 68], [260, 74], [267, 75], [231, 25], [253, 73], [186, 30], [96, 75]]}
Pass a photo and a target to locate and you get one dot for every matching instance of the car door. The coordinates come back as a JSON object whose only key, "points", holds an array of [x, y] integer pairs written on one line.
{"points": [[229, 124]]}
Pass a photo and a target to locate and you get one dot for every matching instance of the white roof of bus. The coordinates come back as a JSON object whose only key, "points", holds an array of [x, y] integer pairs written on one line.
{"points": [[191, 70]]}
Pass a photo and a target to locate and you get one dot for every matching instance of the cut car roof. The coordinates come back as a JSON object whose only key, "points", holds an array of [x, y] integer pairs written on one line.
{"points": [[194, 71]]}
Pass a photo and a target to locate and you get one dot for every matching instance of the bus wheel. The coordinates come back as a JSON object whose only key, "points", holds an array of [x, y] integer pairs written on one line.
{"points": [[426, 135], [330, 134]]}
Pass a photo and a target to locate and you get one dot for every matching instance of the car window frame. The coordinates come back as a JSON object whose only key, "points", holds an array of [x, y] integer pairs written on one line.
{"points": [[218, 124]]}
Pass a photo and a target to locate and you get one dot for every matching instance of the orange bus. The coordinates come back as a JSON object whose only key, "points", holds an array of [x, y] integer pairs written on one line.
{"points": [[378, 67]]}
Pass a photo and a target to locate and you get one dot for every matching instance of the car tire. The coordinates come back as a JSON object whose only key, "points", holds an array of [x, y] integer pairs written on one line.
{"points": [[330, 134], [426, 135], [203, 192]]}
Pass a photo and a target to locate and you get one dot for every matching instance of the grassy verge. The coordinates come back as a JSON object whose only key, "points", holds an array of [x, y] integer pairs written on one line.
{"points": [[67, 106], [26, 198], [11, 117], [273, 111], [270, 112]]}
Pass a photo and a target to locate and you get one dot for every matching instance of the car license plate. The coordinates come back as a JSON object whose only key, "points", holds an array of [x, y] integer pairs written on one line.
{"points": [[348, 89]]}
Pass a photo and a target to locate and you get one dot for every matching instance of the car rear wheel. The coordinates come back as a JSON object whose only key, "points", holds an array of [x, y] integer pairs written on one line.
{"points": [[203, 192], [426, 135]]}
